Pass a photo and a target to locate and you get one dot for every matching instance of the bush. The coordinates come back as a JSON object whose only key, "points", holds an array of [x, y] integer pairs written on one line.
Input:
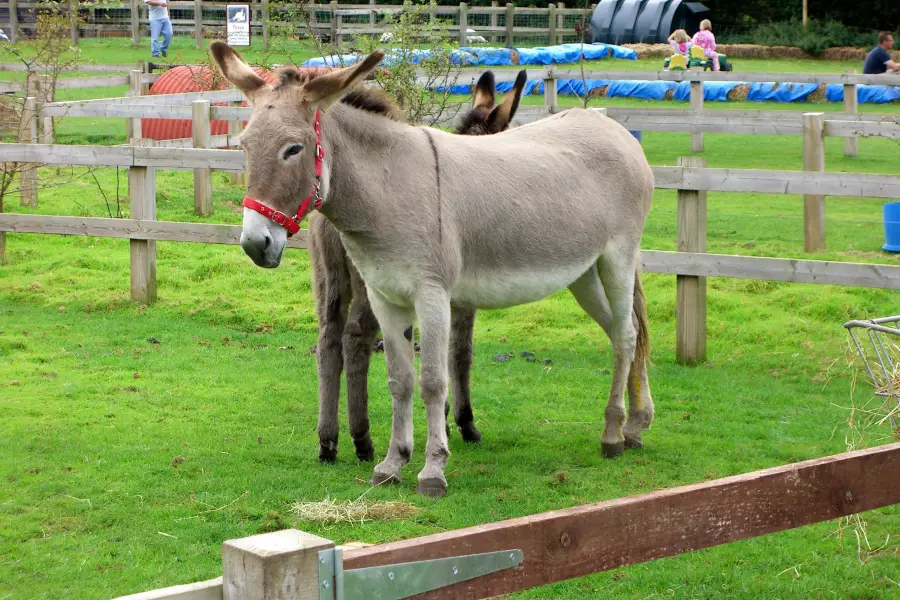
{"points": [[814, 38]]}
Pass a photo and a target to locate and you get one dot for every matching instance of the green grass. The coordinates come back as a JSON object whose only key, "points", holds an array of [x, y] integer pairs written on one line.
{"points": [[114, 451]]}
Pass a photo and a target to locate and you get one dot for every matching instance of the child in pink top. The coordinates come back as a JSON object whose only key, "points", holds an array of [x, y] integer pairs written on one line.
{"points": [[706, 40], [681, 41]]}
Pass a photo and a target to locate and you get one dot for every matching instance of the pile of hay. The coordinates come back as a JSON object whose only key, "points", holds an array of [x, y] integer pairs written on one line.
{"points": [[756, 51], [356, 511], [599, 92], [739, 93], [818, 96], [651, 50]]}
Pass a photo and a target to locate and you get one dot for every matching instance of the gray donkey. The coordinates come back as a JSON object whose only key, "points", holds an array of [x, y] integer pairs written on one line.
{"points": [[346, 342], [431, 219]]}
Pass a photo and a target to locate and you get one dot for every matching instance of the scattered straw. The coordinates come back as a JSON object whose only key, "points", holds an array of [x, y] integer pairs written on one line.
{"points": [[356, 511]]}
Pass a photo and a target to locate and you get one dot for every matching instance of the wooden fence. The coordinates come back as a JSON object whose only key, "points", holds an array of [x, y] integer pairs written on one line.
{"points": [[557, 545], [498, 24]]}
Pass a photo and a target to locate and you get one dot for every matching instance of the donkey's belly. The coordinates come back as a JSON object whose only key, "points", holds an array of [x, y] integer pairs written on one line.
{"points": [[503, 288]]}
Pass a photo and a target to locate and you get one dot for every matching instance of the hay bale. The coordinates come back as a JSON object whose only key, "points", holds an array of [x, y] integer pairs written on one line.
{"points": [[757, 51], [513, 56], [818, 96], [599, 92], [739, 93], [650, 50], [670, 94], [844, 53]]}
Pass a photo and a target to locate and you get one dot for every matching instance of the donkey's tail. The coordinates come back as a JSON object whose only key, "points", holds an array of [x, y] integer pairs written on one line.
{"points": [[642, 350]]}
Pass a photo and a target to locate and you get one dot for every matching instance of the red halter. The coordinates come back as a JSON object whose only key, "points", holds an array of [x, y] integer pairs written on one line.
{"points": [[292, 224]]}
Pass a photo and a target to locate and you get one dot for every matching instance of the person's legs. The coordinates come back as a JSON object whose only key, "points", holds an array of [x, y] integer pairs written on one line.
{"points": [[715, 60], [167, 36], [156, 26]]}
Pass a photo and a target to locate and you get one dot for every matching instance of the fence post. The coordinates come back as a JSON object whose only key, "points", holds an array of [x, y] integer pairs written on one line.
{"points": [[561, 18], [265, 24], [45, 93], [551, 25], [463, 23], [73, 20], [696, 106], [135, 22], [142, 204], [234, 129], [550, 94], [510, 23], [28, 135], [200, 134], [13, 21], [690, 308], [373, 8], [133, 125], [144, 68], [851, 107], [281, 565], [334, 24], [493, 38], [813, 160], [198, 23]]}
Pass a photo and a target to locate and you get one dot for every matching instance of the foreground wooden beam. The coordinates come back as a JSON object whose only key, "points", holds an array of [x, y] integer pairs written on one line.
{"points": [[574, 542]]}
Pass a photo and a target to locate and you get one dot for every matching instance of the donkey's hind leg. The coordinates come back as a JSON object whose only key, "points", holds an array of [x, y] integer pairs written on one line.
{"points": [[358, 341], [331, 282], [462, 324]]}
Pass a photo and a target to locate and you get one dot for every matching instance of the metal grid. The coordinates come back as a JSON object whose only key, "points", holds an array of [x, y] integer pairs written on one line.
{"points": [[877, 343]]}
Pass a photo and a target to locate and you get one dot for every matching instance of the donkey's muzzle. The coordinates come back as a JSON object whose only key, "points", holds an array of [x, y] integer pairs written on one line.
{"points": [[261, 248]]}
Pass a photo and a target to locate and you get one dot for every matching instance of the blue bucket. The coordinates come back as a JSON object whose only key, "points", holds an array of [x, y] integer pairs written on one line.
{"points": [[892, 227]]}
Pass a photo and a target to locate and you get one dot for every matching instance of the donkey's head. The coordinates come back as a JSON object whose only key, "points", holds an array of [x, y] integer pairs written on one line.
{"points": [[485, 118], [282, 146]]}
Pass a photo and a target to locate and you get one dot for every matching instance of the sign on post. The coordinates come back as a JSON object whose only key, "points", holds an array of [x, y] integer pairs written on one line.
{"points": [[238, 24]]}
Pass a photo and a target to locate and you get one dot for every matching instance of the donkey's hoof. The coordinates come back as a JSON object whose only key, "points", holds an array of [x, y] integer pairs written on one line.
{"points": [[433, 487], [633, 443], [379, 478], [470, 433], [327, 453], [612, 450], [365, 451]]}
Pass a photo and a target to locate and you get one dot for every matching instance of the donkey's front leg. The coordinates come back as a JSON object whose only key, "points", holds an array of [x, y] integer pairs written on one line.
{"points": [[396, 325], [433, 313]]}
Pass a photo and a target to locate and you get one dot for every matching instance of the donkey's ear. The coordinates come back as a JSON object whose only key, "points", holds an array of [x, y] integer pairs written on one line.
{"points": [[235, 70], [325, 90], [501, 116], [484, 91]]}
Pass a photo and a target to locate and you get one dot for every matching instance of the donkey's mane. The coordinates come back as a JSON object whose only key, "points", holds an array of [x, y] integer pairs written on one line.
{"points": [[370, 99]]}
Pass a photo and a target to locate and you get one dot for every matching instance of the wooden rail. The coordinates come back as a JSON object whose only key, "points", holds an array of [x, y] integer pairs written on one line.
{"points": [[565, 544]]}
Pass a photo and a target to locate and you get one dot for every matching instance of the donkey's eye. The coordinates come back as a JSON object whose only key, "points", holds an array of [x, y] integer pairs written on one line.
{"points": [[292, 150]]}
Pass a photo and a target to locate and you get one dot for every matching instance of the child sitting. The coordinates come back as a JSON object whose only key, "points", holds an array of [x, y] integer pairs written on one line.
{"points": [[681, 41], [706, 40]]}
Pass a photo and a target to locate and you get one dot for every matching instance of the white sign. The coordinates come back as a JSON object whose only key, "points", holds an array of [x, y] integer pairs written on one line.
{"points": [[238, 24]]}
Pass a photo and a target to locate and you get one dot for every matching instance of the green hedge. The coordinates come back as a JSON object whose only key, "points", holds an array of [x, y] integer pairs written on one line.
{"points": [[816, 37]]}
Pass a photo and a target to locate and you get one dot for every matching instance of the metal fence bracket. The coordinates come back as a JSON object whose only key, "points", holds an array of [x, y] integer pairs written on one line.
{"points": [[393, 582]]}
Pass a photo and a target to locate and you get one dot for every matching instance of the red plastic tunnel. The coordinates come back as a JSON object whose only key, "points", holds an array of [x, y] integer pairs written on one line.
{"points": [[183, 79]]}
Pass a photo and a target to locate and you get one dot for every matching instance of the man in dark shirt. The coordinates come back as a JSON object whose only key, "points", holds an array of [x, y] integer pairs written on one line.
{"points": [[879, 59]]}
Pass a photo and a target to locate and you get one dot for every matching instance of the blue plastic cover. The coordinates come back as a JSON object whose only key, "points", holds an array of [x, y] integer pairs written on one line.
{"points": [[872, 94], [780, 92], [491, 57], [648, 90], [713, 91]]}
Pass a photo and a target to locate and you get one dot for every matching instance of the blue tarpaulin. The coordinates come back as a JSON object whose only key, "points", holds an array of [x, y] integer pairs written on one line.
{"points": [[648, 90], [713, 91], [872, 94], [780, 92]]}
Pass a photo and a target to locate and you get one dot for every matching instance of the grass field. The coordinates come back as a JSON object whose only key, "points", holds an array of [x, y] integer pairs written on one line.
{"points": [[134, 440]]}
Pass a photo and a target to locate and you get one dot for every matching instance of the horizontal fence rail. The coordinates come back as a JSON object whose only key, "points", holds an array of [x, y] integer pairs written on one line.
{"points": [[569, 543]]}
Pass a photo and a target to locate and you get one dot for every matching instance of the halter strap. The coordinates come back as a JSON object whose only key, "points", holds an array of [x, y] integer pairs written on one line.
{"points": [[292, 224]]}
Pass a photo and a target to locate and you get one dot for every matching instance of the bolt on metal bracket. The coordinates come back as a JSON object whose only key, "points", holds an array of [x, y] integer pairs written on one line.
{"points": [[393, 582]]}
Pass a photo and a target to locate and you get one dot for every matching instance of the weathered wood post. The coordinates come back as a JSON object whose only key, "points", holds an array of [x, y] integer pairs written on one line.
{"points": [[282, 565], [13, 21], [73, 21], [142, 204], [198, 23], [28, 135], [493, 37], [463, 23], [265, 24], [813, 160], [201, 137], [851, 107], [133, 124], [696, 106], [551, 25], [45, 93], [234, 129], [510, 23], [690, 308], [550, 94], [135, 22], [561, 16]]}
